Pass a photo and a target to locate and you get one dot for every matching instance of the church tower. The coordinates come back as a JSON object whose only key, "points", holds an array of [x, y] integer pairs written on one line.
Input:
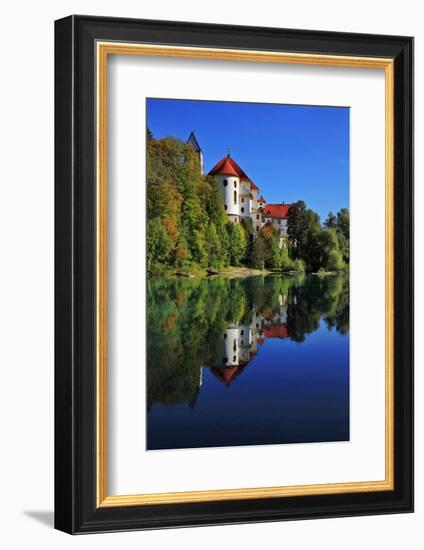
{"points": [[195, 144], [228, 178]]}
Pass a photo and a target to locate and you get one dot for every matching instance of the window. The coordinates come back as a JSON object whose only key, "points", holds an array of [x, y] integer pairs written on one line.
{"points": [[225, 182], [235, 197], [235, 183], [242, 333], [234, 345], [257, 216], [225, 206], [242, 209], [279, 221], [257, 229], [234, 358], [225, 360], [242, 200]]}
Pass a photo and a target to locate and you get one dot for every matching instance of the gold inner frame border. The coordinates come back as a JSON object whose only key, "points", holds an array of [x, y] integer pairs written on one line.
{"points": [[103, 50]]}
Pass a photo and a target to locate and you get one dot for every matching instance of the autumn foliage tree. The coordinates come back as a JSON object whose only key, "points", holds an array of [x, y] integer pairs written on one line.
{"points": [[187, 223]]}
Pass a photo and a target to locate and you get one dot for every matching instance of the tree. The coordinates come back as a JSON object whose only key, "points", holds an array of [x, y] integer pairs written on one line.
{"points": [[343, 233], [237, 243], [181, 253], [259, 252], [331, 221], [214, 247], [335, 260], [275, 253], [302, 224], [343, 222], [158, 243], [320, 246]]}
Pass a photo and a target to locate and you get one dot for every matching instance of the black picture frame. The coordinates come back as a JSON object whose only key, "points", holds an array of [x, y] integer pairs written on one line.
{"points": [[76, 510]]}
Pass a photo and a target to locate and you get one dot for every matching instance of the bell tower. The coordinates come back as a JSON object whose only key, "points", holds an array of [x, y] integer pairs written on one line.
{"points": [[195, 144]]}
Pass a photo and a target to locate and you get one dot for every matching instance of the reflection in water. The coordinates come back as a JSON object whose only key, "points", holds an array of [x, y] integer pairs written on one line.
{"points": [[281, 344]]}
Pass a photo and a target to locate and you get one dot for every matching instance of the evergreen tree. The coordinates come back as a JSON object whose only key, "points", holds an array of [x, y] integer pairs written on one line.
{"points": [[331, 221]]}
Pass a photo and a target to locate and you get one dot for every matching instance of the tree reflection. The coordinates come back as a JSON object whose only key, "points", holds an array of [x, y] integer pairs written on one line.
{"points": [[221, 324]]}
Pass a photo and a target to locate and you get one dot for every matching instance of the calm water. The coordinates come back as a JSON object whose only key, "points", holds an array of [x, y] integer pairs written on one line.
{"points": [[247, 361]]}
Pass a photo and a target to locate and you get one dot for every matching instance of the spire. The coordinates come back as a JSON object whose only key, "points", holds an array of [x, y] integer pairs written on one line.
{"points": [[228, 152], [192, 140]]}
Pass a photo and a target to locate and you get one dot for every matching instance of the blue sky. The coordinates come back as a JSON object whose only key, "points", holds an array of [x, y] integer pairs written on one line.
{"points": [[290, 152]]}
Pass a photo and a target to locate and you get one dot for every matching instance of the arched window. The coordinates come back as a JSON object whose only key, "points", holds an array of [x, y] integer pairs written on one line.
{"points": [[225, 182], [225, 206], [235, 183], [235, 197], [242, 209]]}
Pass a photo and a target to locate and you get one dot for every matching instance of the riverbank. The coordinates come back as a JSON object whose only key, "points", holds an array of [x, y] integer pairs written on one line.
{"points": [[230, 272]]}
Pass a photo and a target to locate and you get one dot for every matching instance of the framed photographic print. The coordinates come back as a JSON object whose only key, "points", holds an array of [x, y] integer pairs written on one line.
{"points": [[234, 274]]}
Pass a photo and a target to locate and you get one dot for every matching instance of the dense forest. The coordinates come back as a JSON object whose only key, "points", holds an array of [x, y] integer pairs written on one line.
{"points": [[187, 226]]}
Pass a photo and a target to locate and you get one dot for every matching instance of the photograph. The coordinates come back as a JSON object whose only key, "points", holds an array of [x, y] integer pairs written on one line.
{"points": [[247, 289]]}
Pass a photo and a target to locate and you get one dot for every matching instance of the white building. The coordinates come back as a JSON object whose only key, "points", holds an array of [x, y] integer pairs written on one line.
{"points": [[241, 341], [241, 196]]}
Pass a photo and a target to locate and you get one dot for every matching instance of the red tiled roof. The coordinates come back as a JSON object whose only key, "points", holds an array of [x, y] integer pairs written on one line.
{"points": [[276, 331], [227, 165], [277, 210], [224, 166], [228, 374]]}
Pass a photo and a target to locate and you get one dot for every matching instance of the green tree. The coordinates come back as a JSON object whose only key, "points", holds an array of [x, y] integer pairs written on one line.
{"points": [[335, 260], [275, 253], [302, 225], [331, 221], [214, 247], [259, 252], [237, 243], [343, 222], [159, 244], [181, 254], [343, 233]]}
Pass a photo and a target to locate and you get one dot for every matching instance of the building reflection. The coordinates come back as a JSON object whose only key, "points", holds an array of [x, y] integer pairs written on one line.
{"points": [[242, 341], [223, 324]]}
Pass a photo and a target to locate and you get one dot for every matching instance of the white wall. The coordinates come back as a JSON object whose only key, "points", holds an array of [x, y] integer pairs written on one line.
{"points": [[26, 289]]}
